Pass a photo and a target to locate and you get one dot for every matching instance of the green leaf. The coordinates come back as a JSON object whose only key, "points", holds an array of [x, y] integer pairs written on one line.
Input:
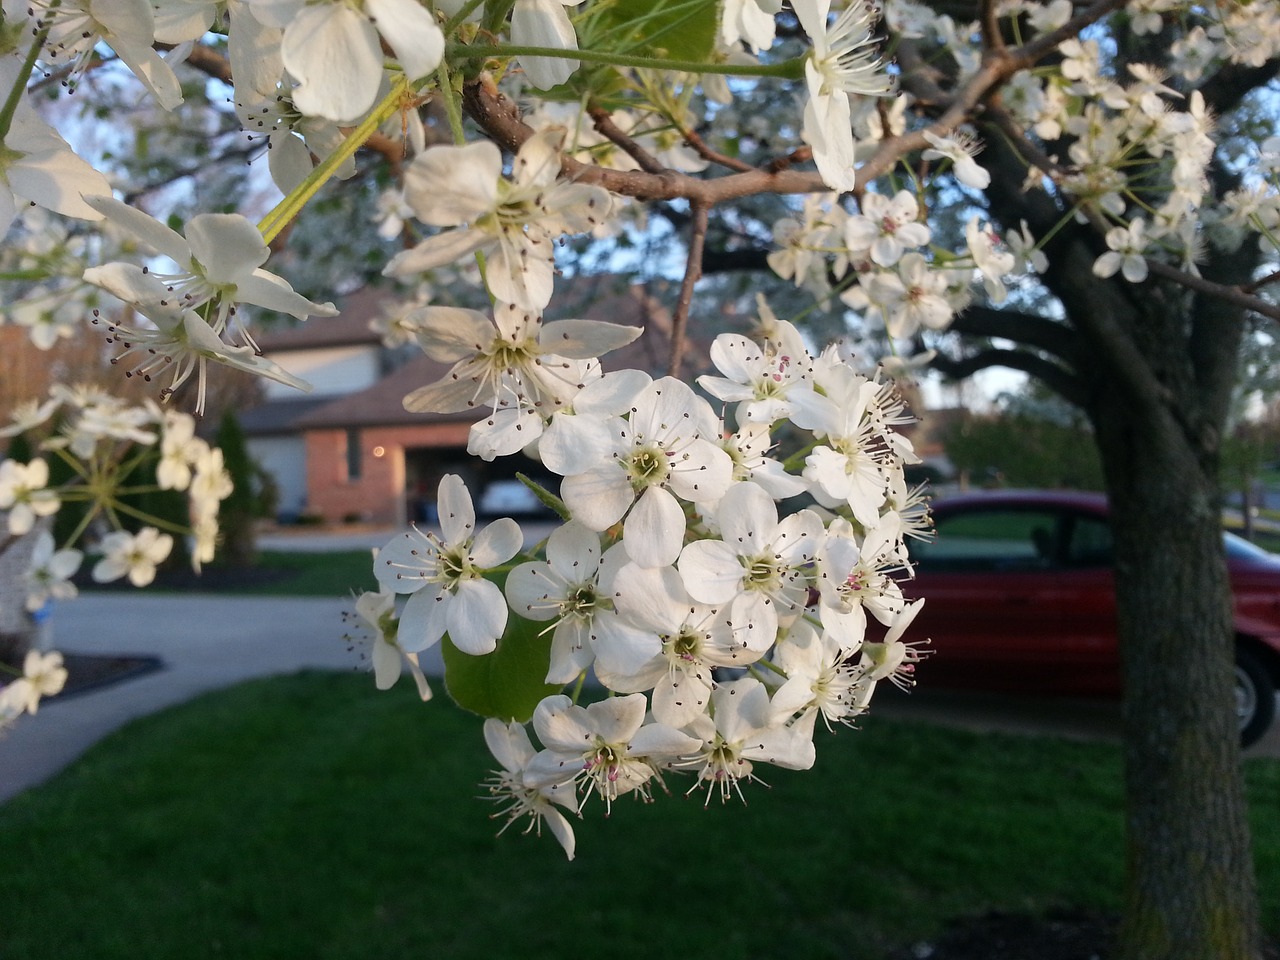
{"points": [[507, 683], [677, 29]]}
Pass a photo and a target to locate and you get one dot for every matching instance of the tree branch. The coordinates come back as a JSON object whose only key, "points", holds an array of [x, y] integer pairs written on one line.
{"points": [[692, 272], [605, 126], [1050, 374], [1025, 329], [1236, 296]]}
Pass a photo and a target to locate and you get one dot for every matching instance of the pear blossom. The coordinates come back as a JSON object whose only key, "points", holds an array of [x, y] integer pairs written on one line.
{"points": [[908, 297], [512, 357], [510, 745], [513, 221], [219, 265], [210, 481], [133, 555], [886, 228], [749, 450], [334, 49], [38, 166], [182, 343], [445, 576], [43, 675], [992, 262], [959, 149], [666, 450], [572, 587], [853, 580], [373, 634], [749, 21], [49, 573], [606, 746], [741, 731], [758, 567], [544, 23], [179, 449], [1126, 254], [843, 62], [76, 27], [581, 432], [823, 677], [29, 414], [759, 378], [1025, 250], [25, 494], [669, 643]]}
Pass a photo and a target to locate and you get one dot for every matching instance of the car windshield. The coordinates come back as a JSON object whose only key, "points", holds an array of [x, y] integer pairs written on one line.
{"points": [[1239, 548]]}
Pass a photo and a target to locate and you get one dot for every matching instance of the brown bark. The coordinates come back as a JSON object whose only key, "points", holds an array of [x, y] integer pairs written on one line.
{"points": [[1189, 873]]}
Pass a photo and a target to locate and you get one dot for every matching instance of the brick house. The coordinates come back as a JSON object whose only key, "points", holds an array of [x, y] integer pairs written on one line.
{"points": [[349, 451]]}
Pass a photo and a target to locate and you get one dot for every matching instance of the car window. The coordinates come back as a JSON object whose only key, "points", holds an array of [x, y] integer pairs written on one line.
{"points": [[998, 539], [1089, 543]]}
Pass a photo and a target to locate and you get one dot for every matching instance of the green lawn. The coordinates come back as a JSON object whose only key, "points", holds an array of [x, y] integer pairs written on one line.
{"points": [[312, 817], [333, 574]]}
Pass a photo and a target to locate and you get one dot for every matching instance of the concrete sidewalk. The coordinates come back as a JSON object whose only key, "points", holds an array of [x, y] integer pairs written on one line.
{"points": [[205, 643]]}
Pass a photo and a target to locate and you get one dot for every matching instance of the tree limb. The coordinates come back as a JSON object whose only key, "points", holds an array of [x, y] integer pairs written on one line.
{"points": [[1050, 374], [1025, 329], [692, 273]]}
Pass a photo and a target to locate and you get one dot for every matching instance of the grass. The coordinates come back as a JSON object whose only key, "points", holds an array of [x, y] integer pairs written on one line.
{"points": [[333, 574], [312, 817]]}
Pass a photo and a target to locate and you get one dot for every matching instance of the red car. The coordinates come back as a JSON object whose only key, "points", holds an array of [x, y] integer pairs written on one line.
{"points": [[1020, 597]]}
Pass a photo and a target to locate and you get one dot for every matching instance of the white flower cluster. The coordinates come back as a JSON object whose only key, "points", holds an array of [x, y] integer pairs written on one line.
{"points": [[723, 629], [43, 675], [881, 260], [95, 437]]}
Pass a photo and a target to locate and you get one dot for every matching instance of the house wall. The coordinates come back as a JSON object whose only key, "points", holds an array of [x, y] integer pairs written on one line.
{"points": [[285, 459], [377, 495], [330, 370]]}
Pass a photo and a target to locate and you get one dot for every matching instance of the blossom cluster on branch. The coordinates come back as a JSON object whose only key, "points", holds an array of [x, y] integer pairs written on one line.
{"points": [[111, 461], [724, 628]]}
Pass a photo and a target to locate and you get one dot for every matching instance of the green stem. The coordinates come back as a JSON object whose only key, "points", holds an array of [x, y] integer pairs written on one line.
{"points": [[452, 103], [788, 69], [301, 195], [455, 21], [577, 687], [797, 459], [81, 527], [20, 82], [167, 525]]}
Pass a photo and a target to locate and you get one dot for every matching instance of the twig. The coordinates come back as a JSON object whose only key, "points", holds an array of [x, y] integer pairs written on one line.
{"points": [[605, 126], [1029, 53], [992, 39], [1029, 151], [692, 273], [714, 156], [1261, 282], [1236, 296]]}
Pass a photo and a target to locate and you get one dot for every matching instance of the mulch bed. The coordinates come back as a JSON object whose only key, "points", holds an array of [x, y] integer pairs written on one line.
{"points": [[1059, 935], [87, 672]]}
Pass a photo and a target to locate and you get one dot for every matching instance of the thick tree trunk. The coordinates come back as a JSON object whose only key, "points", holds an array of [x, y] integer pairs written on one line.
{"points": [[1190, 891]]}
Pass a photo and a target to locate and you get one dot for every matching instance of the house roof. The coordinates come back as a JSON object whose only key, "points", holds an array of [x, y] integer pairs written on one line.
{"points": [[349, 328], [382, 404], [277, 416]]}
